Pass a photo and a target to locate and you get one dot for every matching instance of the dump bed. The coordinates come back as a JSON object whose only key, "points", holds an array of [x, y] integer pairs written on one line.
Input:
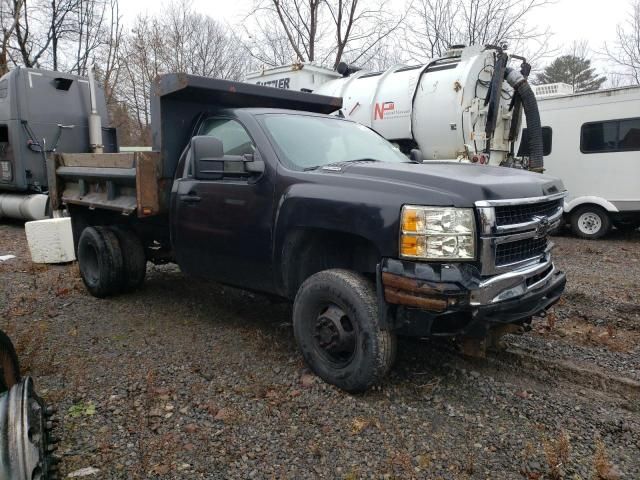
{"points": [[140, 183]]}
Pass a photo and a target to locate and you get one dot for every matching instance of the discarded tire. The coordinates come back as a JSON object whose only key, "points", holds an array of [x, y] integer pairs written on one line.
{"points": [[100, 260], [337, 328], [133, 258]]}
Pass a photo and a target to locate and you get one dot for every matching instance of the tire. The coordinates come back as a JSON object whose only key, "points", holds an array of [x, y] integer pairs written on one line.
{"points": [[100, 259], [337, 328], [9, 366], [134, 259], [590, 222]]}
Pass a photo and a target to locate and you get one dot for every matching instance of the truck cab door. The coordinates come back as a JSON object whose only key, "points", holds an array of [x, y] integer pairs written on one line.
{"points": [[222, 227]]}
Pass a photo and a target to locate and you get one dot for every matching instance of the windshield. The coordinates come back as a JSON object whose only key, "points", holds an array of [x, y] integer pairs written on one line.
{"points": [[306, 142]]}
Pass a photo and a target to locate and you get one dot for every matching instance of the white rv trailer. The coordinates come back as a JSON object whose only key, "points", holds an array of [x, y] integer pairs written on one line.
{"points": [[593, 145]]}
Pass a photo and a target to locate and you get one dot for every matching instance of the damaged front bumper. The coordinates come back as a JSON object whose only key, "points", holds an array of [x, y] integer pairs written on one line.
{"points": [[422, 299]]}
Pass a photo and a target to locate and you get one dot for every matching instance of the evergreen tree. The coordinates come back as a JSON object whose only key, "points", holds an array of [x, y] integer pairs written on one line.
{"points": [[574, 70]]}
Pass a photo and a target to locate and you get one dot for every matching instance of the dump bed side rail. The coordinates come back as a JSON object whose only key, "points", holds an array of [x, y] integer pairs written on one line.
{"points": [[128, 183]]}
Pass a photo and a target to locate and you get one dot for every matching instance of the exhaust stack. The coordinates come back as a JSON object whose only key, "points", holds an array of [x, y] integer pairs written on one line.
{"points": [[95, 122]]}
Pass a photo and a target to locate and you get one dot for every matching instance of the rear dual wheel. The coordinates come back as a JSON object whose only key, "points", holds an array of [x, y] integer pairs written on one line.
{"points": [[111, 259]]}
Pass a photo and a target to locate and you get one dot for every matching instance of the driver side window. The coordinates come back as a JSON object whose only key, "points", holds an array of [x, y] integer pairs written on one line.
{"points": [[235, 139]]}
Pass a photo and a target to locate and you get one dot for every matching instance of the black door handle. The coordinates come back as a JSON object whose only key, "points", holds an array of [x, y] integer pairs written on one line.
{"points": [[190, 198]]}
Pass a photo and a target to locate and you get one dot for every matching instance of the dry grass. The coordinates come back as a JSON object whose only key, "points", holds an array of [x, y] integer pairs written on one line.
{"points": [[579, 331], [603, 468], [556, 452]]}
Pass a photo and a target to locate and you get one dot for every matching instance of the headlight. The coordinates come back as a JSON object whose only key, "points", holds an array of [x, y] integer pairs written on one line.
{"points": [[437, 233]]}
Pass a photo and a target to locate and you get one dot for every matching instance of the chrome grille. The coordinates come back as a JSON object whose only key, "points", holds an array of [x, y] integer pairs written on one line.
{"points": [[514, 214], [514, 252], [515, 233]]}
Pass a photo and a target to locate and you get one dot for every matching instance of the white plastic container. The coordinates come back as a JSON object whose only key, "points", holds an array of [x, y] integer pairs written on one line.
{"points": [[50, 240]]}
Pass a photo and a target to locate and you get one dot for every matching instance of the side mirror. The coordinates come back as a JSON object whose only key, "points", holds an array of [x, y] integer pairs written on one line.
{"points": [[208, 157]]}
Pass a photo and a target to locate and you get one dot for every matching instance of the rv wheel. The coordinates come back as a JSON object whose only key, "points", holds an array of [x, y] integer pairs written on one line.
{"points": [[590, 221]]}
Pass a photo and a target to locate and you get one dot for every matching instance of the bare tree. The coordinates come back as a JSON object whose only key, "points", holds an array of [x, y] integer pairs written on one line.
{"points": [[33, 32], [324, 31], [179, 41], [432, 28], [58, 34], [10, 13], [359, 29], [195, 43], [109, 59], [434, 25], [61, 25], [90, 35], [624, 52], [141, 63]]}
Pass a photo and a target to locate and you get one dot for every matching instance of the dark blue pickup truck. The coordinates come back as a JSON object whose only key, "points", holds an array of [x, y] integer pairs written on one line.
{"points": [[260, 188]]}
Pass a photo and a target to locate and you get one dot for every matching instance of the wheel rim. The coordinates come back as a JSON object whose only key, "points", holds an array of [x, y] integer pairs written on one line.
{"points": [[335, 335], [590, 223], [90, 264]]}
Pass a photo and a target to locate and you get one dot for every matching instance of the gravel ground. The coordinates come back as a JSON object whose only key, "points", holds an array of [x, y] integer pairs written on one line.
{"points": [[188, 379]]}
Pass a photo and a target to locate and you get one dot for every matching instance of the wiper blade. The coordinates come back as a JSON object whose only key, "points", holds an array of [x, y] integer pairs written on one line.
{"points": [[341, 162]]}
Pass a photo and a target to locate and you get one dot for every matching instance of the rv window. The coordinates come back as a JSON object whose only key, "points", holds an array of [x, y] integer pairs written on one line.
{"points": [[547, 140], [610, 136], [4, 134], [629, 135]]}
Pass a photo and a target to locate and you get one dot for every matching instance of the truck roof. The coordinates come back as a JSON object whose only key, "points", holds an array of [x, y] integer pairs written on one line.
{"points": [[179, 99]]}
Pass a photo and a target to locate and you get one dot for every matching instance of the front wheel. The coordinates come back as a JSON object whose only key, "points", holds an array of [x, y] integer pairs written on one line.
{"points": [[590, 222], [336, 325]]}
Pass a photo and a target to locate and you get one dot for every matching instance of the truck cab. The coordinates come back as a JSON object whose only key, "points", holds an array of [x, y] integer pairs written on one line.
{"points": [[320, 211]]}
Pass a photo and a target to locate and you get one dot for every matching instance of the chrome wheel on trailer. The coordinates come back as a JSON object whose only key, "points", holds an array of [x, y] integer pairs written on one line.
{"points": [[590, 221]]}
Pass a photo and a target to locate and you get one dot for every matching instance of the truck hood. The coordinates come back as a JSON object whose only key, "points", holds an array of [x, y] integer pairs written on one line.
{"points": [[466, 183]]}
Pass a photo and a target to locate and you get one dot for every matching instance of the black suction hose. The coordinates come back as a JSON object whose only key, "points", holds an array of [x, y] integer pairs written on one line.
{"points": [[530, 106]]}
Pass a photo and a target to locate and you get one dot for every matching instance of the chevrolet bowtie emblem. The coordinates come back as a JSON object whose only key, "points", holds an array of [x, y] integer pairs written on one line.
{"points": [[543, 226]]}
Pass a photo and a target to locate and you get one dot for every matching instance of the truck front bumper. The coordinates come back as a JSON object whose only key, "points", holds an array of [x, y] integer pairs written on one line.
{"points": [[454, 299]]}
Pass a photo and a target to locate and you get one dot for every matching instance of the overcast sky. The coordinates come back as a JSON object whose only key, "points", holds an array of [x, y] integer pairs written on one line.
{"points": [[592, 20]]}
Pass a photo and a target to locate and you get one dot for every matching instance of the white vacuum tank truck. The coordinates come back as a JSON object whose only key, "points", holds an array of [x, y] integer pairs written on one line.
{"points": [[466, 106]]}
